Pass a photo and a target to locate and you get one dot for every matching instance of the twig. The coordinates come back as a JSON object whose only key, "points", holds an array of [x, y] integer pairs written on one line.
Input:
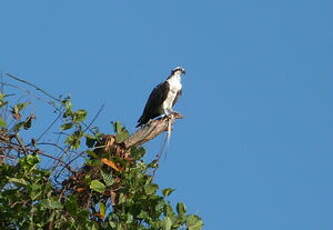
{"points": [[10, 157], [20, 147], [94, 119], [33, 86], [72, 160], [56, 159], [52, 144], [20, 143], [28, 92], [49, 127]]}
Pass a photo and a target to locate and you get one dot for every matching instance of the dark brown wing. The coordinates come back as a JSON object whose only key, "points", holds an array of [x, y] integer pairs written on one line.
{"points": [[153, 107]]}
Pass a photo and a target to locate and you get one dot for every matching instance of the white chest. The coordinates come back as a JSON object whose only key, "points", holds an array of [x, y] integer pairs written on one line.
{"points": [[175, 86]]}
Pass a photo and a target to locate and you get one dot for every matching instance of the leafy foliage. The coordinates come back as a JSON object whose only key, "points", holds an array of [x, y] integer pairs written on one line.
{"points": [[113, 189]]}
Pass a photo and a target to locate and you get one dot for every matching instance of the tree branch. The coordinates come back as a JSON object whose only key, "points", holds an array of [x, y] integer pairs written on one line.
{"points": [[150, 130]]}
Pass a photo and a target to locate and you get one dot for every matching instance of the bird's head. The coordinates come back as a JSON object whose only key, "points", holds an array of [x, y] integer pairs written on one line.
{"points": [[178, 71]]}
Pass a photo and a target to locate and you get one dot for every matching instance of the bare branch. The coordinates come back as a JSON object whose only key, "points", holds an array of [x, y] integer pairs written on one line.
{"points": [[28, 92], [54, 145], [33, 86], [49, 127], [56, 159], [150, 131], [94, 119]]}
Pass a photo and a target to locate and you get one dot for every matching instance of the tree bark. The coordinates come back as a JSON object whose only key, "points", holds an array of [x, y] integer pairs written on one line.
{"points": [[151, 130]]}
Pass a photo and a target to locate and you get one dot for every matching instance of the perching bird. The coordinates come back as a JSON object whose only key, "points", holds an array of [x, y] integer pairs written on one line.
{"points": [[163, 97]]}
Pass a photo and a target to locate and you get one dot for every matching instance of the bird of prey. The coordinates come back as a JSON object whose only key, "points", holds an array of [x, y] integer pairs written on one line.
{"points": [[163, 97]]}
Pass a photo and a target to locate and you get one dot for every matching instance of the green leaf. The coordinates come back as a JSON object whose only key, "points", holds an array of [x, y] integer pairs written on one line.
{"points": [[194, 222], [129, 218], [153, 164], [67, 113], [102, 209], [94, 226], [18, 126], [28, 121], [29, 161], [3, 103], [35, 191], [167, 223], [121, 136], [90, 141], [122, 198], [94, 163], [181, 209], [17, 181], [15, 111], [107, 178], [167, 192], [54, 204], [3, 123], [51, 204], [67, 103], [97, 186], [32, 159], [19, 107], [79, 115], [160, 205], [117, 126], [137, 152], [150, 189], [92, 154], [66, 126], [143, 215], [72, 205], [168, 210], [74, 140], [113, 225], [122, 133]]}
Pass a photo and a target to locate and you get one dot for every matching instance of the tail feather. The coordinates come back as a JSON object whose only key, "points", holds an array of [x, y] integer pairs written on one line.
{"points": [[141, 122]]}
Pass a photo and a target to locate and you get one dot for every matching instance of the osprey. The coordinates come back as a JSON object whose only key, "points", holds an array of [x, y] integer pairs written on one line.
{"points": [[163, 97]]}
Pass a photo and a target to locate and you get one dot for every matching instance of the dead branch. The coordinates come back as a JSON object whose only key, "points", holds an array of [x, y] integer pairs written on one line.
{"points": [[150, 131]]}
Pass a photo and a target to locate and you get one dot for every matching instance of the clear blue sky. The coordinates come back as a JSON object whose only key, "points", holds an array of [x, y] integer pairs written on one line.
{"points": [[255, 150]]}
